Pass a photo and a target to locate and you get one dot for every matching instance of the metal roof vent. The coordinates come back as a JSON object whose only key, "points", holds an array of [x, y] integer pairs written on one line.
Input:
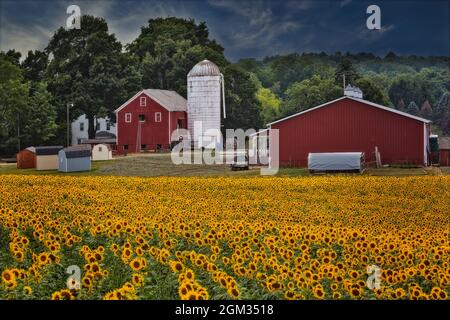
{"points": [[354, 92]]}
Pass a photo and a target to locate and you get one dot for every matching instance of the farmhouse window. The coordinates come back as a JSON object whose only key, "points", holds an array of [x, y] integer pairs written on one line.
{"points": [[97, 126], [108, 126], [158, 117], [142, 118], [81, 126], [128, 117], [143, 101], [100, 149]]}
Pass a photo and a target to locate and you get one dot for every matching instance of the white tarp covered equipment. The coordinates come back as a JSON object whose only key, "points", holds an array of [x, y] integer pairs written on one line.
{"points": [[336, 161]]}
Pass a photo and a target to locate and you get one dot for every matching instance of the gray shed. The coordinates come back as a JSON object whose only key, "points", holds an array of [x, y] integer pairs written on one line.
{"points": [[336, 161], [75, 158]]}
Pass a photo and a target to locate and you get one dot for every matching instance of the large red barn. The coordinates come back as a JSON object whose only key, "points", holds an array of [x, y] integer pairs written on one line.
{"points": [[147, 120], [350, 124]]}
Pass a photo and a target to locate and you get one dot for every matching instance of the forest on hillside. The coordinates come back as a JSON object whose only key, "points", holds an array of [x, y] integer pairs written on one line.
{"points": [[92, 70]]}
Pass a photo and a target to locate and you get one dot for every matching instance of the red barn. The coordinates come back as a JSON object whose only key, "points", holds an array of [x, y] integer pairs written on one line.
{"points": [[147, 120], [350, 124]]}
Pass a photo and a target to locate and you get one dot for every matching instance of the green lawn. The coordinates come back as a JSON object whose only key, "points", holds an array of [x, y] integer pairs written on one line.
{"points": [[160, 164]]}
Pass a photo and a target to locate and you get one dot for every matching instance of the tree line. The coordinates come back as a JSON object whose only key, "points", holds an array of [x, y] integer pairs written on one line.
{"points": [[296, 82], [92, 70]]}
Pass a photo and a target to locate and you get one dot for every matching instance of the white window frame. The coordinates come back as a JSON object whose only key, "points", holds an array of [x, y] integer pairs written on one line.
{"points": [[143, 101], [126, 117], [158, 115]]}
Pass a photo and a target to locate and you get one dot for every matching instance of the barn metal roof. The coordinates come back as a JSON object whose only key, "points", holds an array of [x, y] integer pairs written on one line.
{"points": [[168, 99], [356, 99], [79, 151], [48, 150], [204, 68]]}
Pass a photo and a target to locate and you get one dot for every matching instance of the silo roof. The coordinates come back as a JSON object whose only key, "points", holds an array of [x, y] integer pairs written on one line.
{"points": [[204, 68]]}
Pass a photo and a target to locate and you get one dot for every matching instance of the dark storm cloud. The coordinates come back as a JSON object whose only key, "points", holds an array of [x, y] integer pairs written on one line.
{"points": [[251, 28]]}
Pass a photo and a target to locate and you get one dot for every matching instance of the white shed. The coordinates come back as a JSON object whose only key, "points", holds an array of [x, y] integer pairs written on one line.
{"points": [[101, 152]]}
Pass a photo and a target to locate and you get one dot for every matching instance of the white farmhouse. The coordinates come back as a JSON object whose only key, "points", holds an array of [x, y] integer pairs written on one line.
{"points": [[80, 128]]}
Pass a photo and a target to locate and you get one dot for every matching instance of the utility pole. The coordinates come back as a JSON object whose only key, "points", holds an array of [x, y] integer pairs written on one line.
{"points": [[343, 79], [18, 132], [69, 105]]}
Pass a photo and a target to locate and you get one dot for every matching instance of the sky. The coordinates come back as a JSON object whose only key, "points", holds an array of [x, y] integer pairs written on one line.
{"points": [[250, 28]]}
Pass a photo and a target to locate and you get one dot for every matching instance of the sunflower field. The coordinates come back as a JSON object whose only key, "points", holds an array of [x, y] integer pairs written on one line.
{"points": [[224, 238]]}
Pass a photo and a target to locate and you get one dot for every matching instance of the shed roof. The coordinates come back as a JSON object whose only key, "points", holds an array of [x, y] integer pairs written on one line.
{"points": [[168, 99], [48, 150], [104, 145], [379, 106], [444, 143], [31, 149], [79, 151]]}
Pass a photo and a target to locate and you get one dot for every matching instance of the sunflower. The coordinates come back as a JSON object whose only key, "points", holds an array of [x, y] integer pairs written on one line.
{"points": [[137, 279], [136, 264], [8, 276], [233, 292]]}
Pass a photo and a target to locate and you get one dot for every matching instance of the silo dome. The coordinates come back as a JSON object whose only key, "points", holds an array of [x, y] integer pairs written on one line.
{"points": [[204, 68]]}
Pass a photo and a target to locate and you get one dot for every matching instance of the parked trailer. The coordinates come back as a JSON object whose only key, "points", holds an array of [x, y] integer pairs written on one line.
{"points": [[336, 162]]}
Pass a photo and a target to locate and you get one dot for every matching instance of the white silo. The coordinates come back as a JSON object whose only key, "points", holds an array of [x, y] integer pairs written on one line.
{"points": [[205, 94]]}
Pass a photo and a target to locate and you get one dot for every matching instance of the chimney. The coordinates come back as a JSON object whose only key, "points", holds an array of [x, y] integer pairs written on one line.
{"points": [[354, 92]]}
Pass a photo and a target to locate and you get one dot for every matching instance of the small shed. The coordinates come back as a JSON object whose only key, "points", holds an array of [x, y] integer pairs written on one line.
{"points": [[101, 152], [26, 158], [47, 157], [444, 151], [336, 161], [75, 158]]}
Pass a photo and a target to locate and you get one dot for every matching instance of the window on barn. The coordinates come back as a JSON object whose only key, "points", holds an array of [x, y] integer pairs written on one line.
{"points": [[143, 101], [142, 118], [158, 117], [125, 147], [128, 117], [81, 126], [143, 146], [158, 146]]}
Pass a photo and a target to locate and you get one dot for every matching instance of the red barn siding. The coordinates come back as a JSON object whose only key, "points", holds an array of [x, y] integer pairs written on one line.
{"points": [[152, 132], [348, 125], [444, 158]]}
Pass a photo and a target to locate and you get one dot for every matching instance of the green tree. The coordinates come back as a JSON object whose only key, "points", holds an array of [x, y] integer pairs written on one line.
{"points": [[372, 92], [13, 100], [442, 112], [27, 117], [413, 108], [270, 105], [309, 93], [410, 88], [35, 65], [345, 67], [87, 70], [426, 111], [242, 106], [168, 48]]}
